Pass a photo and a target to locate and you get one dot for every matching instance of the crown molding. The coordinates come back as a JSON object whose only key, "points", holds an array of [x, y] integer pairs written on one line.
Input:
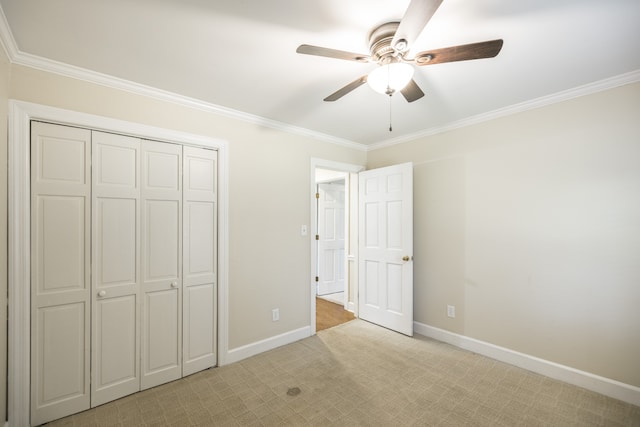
{"points": [[18, 57], [21, 58], [6, 37], [588, 89]]}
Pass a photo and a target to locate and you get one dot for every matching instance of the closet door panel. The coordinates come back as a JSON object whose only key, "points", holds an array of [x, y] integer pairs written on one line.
{"points": [[60, 237], [200, 240], [162, 232], [199, 335], [161, 344], [116, 278], [116, 246], [60, 270], [200, 245], [116, 372], [117, 172], [161, 200]]}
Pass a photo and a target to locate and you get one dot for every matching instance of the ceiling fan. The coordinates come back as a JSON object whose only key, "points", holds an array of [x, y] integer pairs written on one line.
{"points": [[389, 44]]}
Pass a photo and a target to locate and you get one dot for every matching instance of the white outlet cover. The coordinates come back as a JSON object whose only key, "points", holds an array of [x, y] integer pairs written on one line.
{"points": [[451, 311], [303, 230]]}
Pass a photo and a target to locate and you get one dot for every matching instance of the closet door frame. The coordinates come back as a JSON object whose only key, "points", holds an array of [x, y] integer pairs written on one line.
{"points": [[19, 207]]}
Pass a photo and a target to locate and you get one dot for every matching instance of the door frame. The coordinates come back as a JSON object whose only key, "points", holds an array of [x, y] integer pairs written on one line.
{"points": [[317, 163], [19, 249]]}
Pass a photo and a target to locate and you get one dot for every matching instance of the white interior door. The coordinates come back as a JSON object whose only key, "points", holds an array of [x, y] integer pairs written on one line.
{"points": [[200, 206], [60, 271], [161, 254], [331, 238], [386, 247], [116, 275]]}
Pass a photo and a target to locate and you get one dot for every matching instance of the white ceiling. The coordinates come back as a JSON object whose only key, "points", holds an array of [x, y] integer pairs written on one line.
{"points": [[240, 54]]}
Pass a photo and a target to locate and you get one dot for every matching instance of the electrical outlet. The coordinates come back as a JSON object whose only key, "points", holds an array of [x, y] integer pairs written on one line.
{"points": [[451, 310], [275, 314], [303, 230]]}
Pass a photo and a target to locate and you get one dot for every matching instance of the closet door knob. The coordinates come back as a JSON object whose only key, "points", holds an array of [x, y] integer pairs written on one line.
{"points": [[102, 293], [174, 284]]}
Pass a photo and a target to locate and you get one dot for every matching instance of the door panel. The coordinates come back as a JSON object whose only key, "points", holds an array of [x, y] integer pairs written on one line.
{"points": [[162, 232], [60, 271], [116, 245], [199, 316], [116, 279], [161, 355], [199, 262], [371, 276], [61, 229], [386, 225], [60, 344], [161, 200], [117, 170], [116, 372], [200, 245]]}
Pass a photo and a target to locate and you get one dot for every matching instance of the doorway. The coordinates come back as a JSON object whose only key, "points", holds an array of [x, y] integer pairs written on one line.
{"points": [[334, 213], [378, 243]]}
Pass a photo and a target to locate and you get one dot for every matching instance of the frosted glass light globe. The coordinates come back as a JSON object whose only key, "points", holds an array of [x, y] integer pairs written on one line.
{"points": [[390, 78]]}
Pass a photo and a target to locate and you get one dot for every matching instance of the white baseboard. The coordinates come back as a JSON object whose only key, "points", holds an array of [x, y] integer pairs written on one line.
{"points": [[239, 353], [602, 385]]}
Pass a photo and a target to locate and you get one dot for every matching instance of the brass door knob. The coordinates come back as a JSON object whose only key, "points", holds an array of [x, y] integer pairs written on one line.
{"points": [[406, 258]]}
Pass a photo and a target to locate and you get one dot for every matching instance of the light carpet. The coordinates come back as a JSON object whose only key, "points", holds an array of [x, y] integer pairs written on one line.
{"points": [[358, 374]]}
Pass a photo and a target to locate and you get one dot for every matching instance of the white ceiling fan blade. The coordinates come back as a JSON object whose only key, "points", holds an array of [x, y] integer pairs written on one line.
{"points": [[415, 19]]}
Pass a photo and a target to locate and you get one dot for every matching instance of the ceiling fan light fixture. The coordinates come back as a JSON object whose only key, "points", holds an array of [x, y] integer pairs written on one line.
{"points": [[390, 78]]}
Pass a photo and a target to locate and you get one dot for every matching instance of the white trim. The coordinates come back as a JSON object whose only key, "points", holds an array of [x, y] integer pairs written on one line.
{"points": [[596, 383], [20, 116], [588, 89], [16, 56], [317, 163], [245, 351], [19, 268]]}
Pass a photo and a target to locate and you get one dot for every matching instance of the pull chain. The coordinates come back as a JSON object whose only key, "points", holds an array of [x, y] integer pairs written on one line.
{"points": [[390, 127], [390, 93]]}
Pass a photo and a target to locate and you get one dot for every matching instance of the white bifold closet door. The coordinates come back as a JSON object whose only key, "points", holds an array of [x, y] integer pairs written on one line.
{"points": [[161, 263], [60, 271], [115, 330], [123, 289], [199, 262]]}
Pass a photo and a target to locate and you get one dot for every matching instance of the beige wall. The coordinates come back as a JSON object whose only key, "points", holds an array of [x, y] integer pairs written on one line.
{"points": [[527, 224], [4, 89], [530, 226], [269, 172]]}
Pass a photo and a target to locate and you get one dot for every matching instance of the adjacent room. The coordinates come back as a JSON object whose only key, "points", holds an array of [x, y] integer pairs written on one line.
{"points": [[456, 240]]}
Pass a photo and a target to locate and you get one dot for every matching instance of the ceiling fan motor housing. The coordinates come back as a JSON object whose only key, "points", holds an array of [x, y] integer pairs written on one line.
{"points": [[380, 43]]}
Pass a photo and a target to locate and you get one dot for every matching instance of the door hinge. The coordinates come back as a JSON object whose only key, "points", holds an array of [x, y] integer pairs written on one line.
{"points": [[317, 195], [317, 237], [317, 279]]}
